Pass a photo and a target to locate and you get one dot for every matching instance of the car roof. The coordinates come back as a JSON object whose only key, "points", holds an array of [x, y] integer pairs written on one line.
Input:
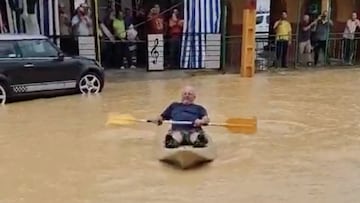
{"points": [[7, 37]]}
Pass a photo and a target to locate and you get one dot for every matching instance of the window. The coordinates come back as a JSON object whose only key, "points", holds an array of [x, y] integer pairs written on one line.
{"points": [[37, 48], [7, 49], [259, 19], [267, 19]]}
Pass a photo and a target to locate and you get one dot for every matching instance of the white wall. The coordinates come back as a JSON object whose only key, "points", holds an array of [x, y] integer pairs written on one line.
{"points": [[263, 5]]}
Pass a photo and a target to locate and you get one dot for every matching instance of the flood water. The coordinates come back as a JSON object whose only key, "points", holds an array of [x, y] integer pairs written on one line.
{"points": [[306, 149]]}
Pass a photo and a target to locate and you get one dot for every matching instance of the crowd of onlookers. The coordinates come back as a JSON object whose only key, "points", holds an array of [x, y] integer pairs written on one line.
{"points": [[125, 33], [313, 39]]}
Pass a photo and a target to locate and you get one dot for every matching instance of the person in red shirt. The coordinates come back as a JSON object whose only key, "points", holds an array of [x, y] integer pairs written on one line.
{"points": [[156, 21], [175, 32]]}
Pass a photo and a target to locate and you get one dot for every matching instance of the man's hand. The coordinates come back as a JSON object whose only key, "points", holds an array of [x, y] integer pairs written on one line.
{"points": [[276, 24], [158, 120], [198, 122], [357, 23]]}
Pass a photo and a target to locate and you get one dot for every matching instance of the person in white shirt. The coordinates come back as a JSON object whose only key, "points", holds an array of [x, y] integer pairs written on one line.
{"points": [[81, 23], [349, 36]]}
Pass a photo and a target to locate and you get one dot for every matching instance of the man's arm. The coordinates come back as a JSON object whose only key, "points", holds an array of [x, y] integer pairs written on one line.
{"points": [[357, 23], [306, 28], [165, 115], [204, 118], [276, 24], [88, 21], [75, 21], [348, 24], [172, 23]]}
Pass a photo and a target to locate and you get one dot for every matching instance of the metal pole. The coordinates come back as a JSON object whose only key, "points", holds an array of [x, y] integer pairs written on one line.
{"points": [[98, 48], [223, 36], [326, 55], [297, 33]]}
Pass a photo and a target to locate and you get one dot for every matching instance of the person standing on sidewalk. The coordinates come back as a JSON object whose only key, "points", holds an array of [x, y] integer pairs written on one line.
{"points": [[283, 31], [349, 36], [321, 36], [122, 47], [305, 40]]}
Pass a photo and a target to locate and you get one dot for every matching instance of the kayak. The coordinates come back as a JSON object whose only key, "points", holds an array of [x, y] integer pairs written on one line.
{"points": [[187, 156]]}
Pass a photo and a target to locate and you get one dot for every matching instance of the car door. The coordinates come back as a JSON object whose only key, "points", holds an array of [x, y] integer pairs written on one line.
{"points": [[47, 69], [12, 66]]}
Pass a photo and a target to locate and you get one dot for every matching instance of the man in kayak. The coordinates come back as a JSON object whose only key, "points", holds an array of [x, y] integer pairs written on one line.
{"points": [[186, 110]]}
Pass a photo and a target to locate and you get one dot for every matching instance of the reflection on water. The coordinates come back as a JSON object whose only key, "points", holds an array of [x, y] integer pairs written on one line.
{"points": [[306, 148]]}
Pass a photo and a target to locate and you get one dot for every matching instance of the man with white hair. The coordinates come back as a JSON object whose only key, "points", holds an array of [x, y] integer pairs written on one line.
{"points": [[186, 110]]}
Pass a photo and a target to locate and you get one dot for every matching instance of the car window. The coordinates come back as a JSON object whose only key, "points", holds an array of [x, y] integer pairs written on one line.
{"points": [[267, 19], [7, 49], [37, 48], [259, 19]]}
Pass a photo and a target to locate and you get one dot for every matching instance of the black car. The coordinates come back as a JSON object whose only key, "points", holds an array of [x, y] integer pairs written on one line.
{"points": [[34, 65]]}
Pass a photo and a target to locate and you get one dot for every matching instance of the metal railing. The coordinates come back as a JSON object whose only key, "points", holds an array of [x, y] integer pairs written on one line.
{"points": [[265, 51], [266, 47]]}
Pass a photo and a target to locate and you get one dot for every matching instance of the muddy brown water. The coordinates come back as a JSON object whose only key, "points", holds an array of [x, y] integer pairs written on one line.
{"points": [[306, 149]]}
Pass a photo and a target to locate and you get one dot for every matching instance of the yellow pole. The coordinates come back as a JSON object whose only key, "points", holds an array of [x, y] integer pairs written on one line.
{"points": [[247, 68], [98, 51]]}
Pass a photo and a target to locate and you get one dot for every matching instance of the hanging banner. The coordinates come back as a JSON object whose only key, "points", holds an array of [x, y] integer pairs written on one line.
{"points": [[213, 51], [87, 47], [155, 52]]}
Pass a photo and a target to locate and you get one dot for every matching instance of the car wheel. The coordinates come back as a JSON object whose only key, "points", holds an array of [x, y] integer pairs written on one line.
{"points": [[3, 94], [89, 84]]}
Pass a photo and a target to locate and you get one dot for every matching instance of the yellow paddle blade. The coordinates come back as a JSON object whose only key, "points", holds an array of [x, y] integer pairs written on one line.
{"points": [[122, 119], [239, 125], [242, 125]]}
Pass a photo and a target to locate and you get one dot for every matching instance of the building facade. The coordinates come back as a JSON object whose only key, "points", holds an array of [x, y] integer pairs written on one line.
{"points": [[339, 10]]}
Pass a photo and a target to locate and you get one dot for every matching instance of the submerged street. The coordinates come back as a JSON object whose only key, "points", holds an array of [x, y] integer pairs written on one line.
{"points": [[306, 148]]}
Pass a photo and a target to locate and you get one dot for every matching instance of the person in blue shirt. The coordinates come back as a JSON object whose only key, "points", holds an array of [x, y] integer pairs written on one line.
{"points": [[186, 110]]}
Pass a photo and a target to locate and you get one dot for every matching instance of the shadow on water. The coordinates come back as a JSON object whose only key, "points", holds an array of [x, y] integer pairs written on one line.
{"points": [[45, 95], [198, 167]]}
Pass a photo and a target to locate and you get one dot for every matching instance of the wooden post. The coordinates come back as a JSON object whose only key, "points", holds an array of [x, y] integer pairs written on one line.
{"points": [[247, 68]]}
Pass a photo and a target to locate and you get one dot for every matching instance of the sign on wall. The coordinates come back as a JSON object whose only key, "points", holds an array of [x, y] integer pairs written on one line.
{"points": [[213, 51], [87, 47], [155, 52]]}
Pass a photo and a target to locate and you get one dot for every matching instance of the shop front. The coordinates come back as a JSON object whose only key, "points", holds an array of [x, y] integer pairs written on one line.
{"points": [[169, 34], [63, 21]]}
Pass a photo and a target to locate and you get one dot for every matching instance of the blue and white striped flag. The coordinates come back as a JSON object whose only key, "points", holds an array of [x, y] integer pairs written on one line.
{"points": [[201, 17]]}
